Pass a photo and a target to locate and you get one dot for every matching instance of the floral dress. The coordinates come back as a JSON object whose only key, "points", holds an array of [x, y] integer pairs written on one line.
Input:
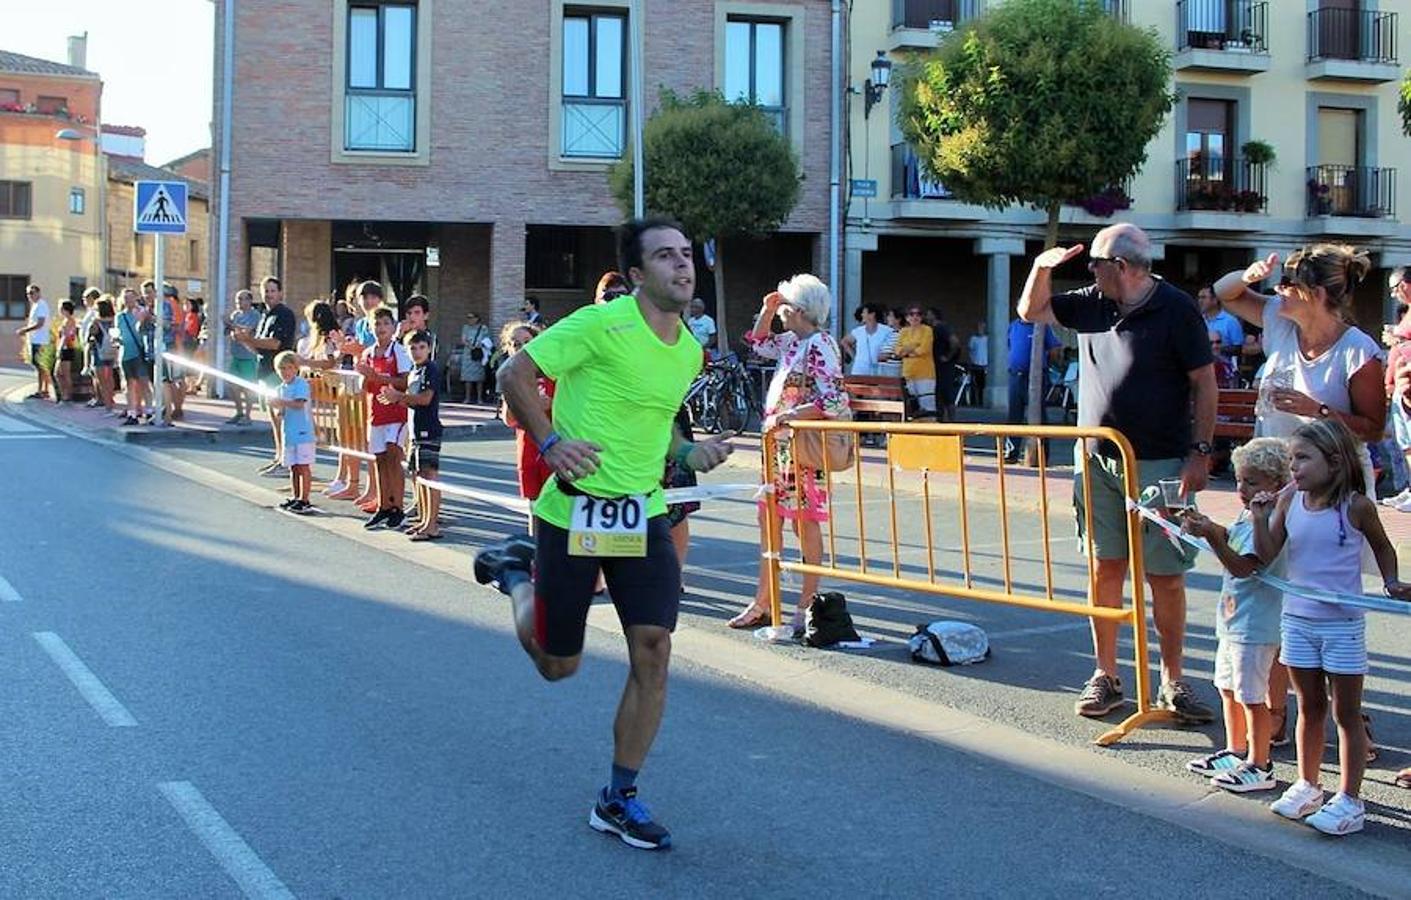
{"points": [[810, 372]]}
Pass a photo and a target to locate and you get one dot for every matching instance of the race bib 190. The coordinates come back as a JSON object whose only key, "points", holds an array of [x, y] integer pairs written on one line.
{"points": [[603, 527]]}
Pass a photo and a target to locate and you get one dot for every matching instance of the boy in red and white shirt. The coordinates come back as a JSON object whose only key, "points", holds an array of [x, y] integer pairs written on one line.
{"points": [[386, 363]]}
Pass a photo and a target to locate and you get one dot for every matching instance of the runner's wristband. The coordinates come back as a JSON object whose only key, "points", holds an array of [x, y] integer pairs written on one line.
{"points": [[682, 452], [548, 442]]}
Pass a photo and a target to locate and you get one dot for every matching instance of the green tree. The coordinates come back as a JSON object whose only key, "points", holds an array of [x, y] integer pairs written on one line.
{"points": [[1040, 102], [721, 169], [1403, 103]]}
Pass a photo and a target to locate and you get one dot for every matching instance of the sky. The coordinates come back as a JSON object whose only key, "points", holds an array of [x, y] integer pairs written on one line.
{"points": [[154, 57]]}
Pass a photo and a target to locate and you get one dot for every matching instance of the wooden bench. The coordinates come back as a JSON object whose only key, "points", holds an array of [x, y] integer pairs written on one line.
{"points": [[1234, 417], [878, 394]]}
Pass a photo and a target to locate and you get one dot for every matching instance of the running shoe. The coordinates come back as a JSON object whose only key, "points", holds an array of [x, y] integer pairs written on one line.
{"points": [[1396, 499], [395, 518], [288, 504], [627, 817], [378, 520], [1177, 697], [1215, 763], [1101, 695], [513, 554], [1301, 799], [1340, 815], [301, 507], [1246, 778]]}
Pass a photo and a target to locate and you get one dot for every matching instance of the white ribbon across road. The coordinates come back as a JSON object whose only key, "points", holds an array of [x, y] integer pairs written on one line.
{"points": [[1361, 601]]}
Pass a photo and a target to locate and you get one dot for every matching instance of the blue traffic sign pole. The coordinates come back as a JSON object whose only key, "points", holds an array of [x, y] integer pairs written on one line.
{"points": [[160, 344], [159, 210]]}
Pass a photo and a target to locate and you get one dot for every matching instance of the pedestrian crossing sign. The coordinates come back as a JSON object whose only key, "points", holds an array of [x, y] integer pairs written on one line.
{"points": [[160, 207]]}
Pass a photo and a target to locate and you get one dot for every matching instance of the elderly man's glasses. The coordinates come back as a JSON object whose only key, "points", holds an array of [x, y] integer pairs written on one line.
{"points": [[1094, 260]]}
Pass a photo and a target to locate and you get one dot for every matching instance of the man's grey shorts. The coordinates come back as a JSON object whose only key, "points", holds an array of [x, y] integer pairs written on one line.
{"points": [[1159, 556]]}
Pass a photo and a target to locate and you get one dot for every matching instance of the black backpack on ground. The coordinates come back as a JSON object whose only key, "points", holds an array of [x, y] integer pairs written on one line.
{"points": [[827, 621]]}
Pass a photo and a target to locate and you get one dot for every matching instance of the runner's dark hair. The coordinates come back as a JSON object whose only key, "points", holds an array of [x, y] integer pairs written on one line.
{"points": [[384, 312], [629, 239]]}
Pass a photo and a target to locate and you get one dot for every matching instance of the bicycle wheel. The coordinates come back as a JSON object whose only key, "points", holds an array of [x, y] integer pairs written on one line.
{"points": [[734, 410]]}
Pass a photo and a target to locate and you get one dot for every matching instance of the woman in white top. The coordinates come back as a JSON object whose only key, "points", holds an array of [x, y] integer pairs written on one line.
{"points": [[888, 363], [1319, 366], [866, 342]]}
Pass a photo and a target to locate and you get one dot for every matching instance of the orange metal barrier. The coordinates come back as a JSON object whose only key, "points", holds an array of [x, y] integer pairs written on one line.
{"points": [[932, 449]]}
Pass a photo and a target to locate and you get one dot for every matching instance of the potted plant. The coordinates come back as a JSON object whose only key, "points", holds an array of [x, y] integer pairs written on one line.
{"points": [[1259, 152], [1320, 195], [1249, 201]]}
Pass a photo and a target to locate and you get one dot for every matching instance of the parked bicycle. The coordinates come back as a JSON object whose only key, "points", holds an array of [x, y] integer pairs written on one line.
{"points": [[723, 398]]}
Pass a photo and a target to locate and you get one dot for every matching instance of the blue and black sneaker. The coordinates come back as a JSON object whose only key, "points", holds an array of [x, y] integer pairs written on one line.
{"points": [[627, 817], [494, 561]]}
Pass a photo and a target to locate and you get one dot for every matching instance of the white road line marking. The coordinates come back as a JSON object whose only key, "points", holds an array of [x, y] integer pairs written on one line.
{"points": [[98, 696], [11, 424], [1039, 629], [8, 594], [230, 850]]}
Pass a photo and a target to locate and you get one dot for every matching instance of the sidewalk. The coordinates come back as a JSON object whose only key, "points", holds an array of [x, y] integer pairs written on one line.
{"points": [[204, 420]]}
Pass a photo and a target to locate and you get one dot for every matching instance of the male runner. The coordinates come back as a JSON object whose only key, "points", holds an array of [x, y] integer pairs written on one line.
{"points": [[622, 369]]}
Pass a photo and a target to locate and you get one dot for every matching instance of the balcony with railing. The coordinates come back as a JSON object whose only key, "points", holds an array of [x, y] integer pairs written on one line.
{"points": [[1217, 192], [1363, 192], [1352, 45], [924, 23], [1222, 35], [594, 127]]}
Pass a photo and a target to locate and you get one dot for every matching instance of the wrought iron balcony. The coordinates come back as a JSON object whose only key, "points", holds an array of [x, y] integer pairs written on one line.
{"points": [[932, 13], [1359, 191], [1362, 35], [1238, 26], [1221, 184]]}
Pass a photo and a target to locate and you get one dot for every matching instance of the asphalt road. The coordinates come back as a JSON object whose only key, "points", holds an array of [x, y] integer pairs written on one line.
{"points": [[207, 698]]}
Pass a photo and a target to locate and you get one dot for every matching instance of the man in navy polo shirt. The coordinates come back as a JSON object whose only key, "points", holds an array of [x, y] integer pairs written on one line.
{"points": [[1145, 369]]}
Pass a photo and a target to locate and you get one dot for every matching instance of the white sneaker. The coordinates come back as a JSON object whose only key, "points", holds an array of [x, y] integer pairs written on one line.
{"points": [[1340, 815], [1396, 500], [1298, 801], [335, 486], [1403, 506]]}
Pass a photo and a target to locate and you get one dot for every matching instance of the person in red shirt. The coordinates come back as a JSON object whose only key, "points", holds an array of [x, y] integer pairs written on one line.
{"points": [[533, 471], [386, 363]]}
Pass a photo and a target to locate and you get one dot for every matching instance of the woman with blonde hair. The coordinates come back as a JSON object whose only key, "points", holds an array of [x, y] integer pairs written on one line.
{"points": [[807, 384], [1319, 365]]}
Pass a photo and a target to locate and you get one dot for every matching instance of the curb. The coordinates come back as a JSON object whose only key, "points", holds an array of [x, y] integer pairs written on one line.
{"points": [[1378, 868]]}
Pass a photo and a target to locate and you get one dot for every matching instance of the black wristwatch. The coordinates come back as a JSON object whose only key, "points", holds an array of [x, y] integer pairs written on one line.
{"points": [[1323, 411], [1203, 448]]}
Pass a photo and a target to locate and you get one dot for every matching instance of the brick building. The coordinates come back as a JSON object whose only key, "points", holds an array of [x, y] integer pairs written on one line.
{"points": [[365, 133]]}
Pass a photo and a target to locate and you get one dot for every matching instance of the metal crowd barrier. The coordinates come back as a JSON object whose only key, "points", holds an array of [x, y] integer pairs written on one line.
{"points": [[939, 449]]}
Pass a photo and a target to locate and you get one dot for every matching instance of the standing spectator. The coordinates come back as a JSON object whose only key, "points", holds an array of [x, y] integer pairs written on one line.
{"points": [[1225, 376], [85, 328], [701, 325], [1398, 339], [136, 359], [867, 342], [529, 465], [1222, 323], [370, 298], [102, 351], [297, 425], [945, 350], [173, 341], [275, 334], [611, 285], [807, 384], [35, 333], [418, 318], [918, 365], [197, 338], [1145, 369], [531, 312], [244, 361], [344, 310], [386, 363], [476, 347], [978, 348], [1319, 366], [68, 343], [888, 363], [423, 397], [1021, 341]]}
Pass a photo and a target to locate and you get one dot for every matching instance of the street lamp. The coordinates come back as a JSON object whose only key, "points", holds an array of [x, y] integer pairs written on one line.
{"points": [[876, 86]]}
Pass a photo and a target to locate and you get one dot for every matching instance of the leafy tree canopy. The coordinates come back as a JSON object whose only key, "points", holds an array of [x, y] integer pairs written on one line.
{"points": [[719, 168], [1403, 104], [1043, 102]]}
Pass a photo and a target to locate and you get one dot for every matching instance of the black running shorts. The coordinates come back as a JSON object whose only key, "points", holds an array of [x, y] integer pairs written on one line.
{"points": [[646, 590]]}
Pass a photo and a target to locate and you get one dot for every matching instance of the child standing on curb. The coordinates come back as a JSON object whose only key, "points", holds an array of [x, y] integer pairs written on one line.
{"points": [[423, 396], [1325, 522], [1246, 625], [298, 427]]}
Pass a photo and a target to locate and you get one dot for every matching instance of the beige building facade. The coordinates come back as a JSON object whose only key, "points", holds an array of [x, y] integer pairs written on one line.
{"points": [[51, 185], [460, 148], [1314, 79]]}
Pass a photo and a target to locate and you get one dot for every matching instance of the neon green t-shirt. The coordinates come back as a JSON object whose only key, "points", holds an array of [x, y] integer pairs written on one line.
{"points": [[618, 386]]}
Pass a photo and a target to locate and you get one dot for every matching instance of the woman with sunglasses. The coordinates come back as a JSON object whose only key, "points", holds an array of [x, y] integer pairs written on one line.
{"points": [[918, 365], [1319, 366]]}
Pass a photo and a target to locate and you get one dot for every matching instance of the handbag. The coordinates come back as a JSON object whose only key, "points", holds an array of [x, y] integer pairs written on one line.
{"points": [[824, 450]]}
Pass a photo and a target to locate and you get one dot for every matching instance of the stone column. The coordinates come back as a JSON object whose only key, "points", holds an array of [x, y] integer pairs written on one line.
{"points": [[855, 243], [998, 299]]}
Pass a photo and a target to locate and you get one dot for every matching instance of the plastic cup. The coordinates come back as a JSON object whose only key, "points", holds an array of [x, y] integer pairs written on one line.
{"points": [[1173, 496]]}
